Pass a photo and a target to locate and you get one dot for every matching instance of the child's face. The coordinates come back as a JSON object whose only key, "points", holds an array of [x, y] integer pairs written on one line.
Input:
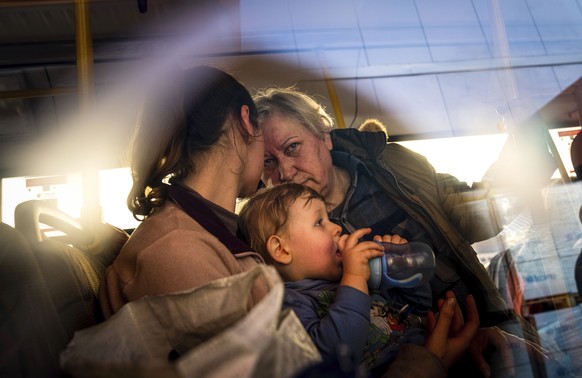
{"points": [[312, 240]]}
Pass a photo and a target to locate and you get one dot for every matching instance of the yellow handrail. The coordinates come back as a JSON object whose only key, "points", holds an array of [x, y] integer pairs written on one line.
{"points": [[339, 117]]}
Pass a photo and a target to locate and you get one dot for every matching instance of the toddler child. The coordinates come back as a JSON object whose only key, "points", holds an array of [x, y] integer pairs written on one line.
{"points": [[326, 276]]}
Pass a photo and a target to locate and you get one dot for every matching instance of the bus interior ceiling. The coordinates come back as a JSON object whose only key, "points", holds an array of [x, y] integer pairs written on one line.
{"points": [[454, 79]]}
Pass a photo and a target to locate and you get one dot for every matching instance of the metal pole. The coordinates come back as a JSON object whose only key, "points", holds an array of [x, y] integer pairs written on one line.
{"points": [[91, 211], [84, 46], [339, 117]]}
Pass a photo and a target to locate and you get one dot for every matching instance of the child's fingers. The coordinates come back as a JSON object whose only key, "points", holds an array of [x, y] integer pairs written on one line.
{"points": [[342, 242], [370, 248], [355, 236], [360, 233], [397, 239], [360, 254], [394, 239]]}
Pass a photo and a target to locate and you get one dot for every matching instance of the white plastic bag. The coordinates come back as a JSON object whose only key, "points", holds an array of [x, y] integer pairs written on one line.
{"points": [[210, 329]]}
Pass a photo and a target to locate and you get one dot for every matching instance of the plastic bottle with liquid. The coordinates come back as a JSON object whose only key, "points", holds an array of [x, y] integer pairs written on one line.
{"points": [[402, 265]]}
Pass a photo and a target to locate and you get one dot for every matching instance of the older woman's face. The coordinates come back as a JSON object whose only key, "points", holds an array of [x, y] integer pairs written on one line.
{"points": [[293, 153]]}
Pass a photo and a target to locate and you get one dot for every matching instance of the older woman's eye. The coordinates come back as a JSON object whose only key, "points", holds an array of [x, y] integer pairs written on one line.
{"points": [[291, 148]]}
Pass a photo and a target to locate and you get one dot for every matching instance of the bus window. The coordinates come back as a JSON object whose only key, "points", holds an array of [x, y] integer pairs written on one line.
{"points": [[65, 193]]}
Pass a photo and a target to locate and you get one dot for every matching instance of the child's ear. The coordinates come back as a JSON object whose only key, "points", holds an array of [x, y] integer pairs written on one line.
{"points": [[277, 251]]}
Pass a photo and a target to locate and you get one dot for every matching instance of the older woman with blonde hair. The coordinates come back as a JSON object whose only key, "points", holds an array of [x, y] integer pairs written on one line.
{"points": [[367, 182]]}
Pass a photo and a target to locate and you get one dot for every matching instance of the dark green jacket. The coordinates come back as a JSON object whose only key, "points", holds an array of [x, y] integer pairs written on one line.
{"points": [[441, 204]]}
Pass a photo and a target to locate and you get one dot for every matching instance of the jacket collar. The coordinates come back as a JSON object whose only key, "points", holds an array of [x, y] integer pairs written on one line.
{"points": [[197, 209]]}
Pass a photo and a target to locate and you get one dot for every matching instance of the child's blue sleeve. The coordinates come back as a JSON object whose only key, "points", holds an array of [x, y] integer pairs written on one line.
{"points": [[345, 320]]}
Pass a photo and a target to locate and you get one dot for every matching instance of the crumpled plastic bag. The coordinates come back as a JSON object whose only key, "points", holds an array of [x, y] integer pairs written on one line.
{"points": [[205, 332]]}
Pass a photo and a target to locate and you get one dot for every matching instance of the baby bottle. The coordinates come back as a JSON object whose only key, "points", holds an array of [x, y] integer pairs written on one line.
{"points": [[402, 265]]}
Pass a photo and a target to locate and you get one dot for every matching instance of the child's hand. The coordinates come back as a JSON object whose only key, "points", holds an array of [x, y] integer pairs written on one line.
{"points": [[394, 239], [355, 256]]}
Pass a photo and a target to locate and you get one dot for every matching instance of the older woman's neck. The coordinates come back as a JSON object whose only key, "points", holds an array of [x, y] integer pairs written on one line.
{"points": [[339, 188]]}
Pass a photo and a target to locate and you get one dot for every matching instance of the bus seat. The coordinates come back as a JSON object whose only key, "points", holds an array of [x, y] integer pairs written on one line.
{"points": [[72, 262], [31, 333]]}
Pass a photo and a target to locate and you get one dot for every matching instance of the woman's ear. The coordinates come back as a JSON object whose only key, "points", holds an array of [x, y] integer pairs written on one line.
{"points": [[277, 251], [245, 115], [327, 141]]}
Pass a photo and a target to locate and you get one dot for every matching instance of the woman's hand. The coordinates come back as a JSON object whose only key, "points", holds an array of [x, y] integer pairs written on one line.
{"points": [[450, 335]]}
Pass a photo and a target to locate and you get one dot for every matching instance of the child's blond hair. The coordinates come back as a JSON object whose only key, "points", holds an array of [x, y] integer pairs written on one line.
{"points": [[267, 211]]}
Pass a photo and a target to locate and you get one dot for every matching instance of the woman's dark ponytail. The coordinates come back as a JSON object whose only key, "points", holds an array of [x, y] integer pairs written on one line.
{"points": [[179, 123]]}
